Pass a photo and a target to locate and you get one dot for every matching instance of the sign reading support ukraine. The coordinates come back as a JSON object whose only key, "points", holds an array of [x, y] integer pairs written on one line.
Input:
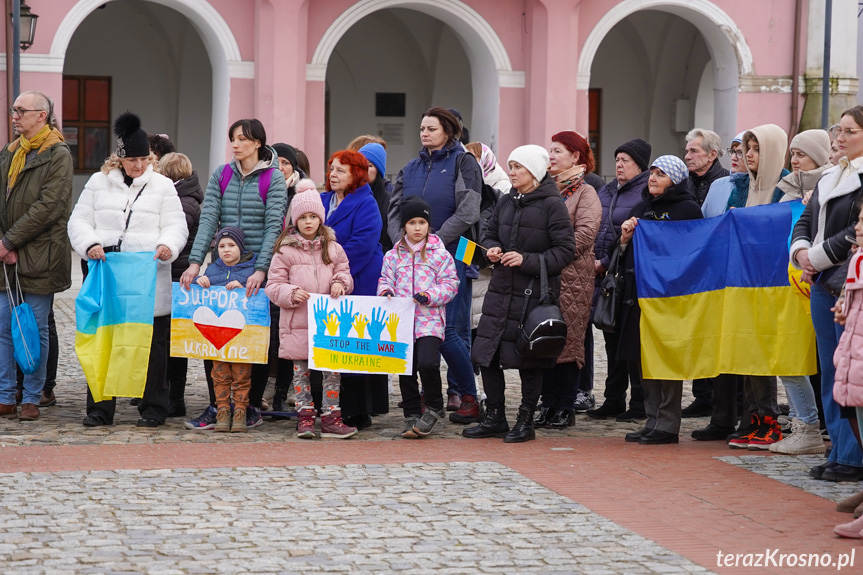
{"points": [[361, 334], [221, 324]]}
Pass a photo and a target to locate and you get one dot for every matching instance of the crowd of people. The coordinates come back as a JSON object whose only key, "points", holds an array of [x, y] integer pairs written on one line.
{"points": [[265, 226]]}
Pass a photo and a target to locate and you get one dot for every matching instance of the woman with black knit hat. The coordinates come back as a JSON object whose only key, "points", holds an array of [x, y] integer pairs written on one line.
{"points": [[618, 198], [129, 207]]}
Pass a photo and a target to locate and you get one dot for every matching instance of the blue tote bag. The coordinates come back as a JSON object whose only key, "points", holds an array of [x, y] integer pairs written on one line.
{"points": [[25, 332]]}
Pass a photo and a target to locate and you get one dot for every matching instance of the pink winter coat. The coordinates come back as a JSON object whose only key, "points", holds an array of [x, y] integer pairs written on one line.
{"points": [[298, 265], [848, 383], [405, 273]]}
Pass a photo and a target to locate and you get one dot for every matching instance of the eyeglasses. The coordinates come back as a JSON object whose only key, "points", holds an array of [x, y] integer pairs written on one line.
{"points": [[846, 132], [20, 111], [735, 153]]}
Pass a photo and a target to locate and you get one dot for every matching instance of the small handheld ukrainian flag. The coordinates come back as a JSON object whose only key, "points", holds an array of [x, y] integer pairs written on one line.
{"points": [[465, 250]]}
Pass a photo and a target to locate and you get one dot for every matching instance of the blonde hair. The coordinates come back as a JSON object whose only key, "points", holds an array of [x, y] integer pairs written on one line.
{"points": [[361, 141], [175, 166], [113, 162]]}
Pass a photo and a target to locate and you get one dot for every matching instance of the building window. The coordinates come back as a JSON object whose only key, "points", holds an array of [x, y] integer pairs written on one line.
{"points": [[594, 113], [87, 120]]}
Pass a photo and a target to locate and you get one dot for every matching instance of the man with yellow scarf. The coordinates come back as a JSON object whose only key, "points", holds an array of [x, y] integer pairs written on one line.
{"points": [[35, 199]]}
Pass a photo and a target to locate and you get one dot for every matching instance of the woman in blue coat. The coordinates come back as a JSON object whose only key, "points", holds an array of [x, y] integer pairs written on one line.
{"points": [[354, 216]]}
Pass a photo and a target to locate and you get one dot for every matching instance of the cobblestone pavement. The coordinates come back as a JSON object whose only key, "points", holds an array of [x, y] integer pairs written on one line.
{"points": [[794, 470], [61, 424], [354, 518]]}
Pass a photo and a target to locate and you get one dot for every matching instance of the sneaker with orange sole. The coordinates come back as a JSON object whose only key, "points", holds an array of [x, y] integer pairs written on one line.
{"points": [[740, 439], [768, 434]]}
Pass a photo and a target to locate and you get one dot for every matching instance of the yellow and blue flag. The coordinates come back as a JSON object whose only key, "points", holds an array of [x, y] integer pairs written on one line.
{"points": [[715, 297], [114, 324], [465, 250]]}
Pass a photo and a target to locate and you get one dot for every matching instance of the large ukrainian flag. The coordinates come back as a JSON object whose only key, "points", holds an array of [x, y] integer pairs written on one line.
{"points": [[715, 297], [114, 318]]}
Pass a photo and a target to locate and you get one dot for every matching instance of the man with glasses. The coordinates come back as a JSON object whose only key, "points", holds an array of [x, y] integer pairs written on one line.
{"points": [[35, 199]]}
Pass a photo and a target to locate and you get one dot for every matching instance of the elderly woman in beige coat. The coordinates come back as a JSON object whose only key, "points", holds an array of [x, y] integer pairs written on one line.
{"points": [[570, 160]]}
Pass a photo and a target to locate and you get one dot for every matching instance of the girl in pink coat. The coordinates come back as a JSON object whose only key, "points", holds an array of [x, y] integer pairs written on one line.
{"points": [[848, 358], [420, 267], [308, 260]]}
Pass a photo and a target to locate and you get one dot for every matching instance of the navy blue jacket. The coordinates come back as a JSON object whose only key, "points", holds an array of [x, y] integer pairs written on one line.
{"points": [[221, 275], [357, 223], [628, 196], [450, 180]]}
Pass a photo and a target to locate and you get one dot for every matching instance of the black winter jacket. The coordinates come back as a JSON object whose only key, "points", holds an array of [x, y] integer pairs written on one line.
{"points": [[535, 225], [701, 184], [677, 203], [191, 197], [839, 203]]}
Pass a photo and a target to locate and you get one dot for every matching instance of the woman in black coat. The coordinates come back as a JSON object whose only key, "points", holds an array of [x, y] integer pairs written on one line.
{"points": [[668, 197], [178, 168], [529, 223]]}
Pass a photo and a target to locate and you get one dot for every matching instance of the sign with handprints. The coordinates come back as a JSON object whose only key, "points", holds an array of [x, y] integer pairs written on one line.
{"points": [[361, 334], [221, 324]]}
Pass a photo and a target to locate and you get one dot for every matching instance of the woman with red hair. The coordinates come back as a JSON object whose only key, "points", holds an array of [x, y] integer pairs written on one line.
{"points": [[570, 160], [354, 216]]}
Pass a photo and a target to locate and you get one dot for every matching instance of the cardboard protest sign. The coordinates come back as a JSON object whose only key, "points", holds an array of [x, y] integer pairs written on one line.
{"points": [[361, 334], [216, 323]]}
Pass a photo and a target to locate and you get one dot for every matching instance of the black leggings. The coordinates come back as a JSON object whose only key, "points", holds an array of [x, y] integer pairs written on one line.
{"points": [[427, 364]]}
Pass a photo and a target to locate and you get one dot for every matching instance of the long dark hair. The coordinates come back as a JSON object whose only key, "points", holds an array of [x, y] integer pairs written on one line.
{"points": [[253, 129], [448, 122]]}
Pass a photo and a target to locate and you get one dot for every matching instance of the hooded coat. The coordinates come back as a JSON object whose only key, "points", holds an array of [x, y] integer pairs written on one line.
{"points": [[34, 214], [677, 203], [156, 218], [535, 225], [772, 148], [299, 265], [848, 358], [191, 197], [577, 279], [241, 206]]}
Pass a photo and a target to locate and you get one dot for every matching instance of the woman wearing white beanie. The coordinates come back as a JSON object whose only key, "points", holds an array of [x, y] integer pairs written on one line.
{"points": [[529, 223]]}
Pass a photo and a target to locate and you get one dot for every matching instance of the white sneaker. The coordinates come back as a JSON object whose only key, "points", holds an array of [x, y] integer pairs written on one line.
{"points": [[805, 438]]}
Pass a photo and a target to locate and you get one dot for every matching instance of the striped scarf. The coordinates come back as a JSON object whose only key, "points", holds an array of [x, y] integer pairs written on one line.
{"points": [[24, 147]]}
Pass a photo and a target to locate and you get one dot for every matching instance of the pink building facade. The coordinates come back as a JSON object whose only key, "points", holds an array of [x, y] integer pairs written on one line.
{"points": [[318, 72]]}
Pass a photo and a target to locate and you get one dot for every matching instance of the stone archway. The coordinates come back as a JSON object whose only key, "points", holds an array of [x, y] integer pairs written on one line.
{"points": [[489, 62], [220, 44], [730, 55]]}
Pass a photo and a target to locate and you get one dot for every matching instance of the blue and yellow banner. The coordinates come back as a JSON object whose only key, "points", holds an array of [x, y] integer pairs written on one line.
{"points": [[114, 323], [715, 297]]}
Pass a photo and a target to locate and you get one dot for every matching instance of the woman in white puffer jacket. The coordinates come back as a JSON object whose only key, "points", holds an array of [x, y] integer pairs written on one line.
{"points": [[129, 207]]}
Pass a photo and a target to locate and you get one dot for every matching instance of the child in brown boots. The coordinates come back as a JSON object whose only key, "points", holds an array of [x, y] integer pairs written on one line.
{"points": [[231, 270]]}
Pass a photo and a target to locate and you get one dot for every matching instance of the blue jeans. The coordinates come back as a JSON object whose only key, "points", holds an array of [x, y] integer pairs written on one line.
{"points": [[34, 382], [801, 398], [455, 348], [827, 332]]}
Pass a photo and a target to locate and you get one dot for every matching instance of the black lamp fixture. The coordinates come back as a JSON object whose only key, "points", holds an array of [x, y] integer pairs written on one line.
{"points": [[27, 25]]}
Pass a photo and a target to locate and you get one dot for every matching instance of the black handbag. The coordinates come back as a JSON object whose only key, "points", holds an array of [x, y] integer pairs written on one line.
{"points": [[542, 332], [834, 283], [606, 312]]}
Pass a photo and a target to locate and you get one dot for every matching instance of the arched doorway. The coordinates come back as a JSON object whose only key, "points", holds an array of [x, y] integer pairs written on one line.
{"points": [[385, 71], [484, 56], [656, 66], [159, 70]]}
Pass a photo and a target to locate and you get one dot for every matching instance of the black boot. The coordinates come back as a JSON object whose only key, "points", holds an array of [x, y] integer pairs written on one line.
{"points": [[523, 428], [562, 419], [492, 424], [544, 417]]}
